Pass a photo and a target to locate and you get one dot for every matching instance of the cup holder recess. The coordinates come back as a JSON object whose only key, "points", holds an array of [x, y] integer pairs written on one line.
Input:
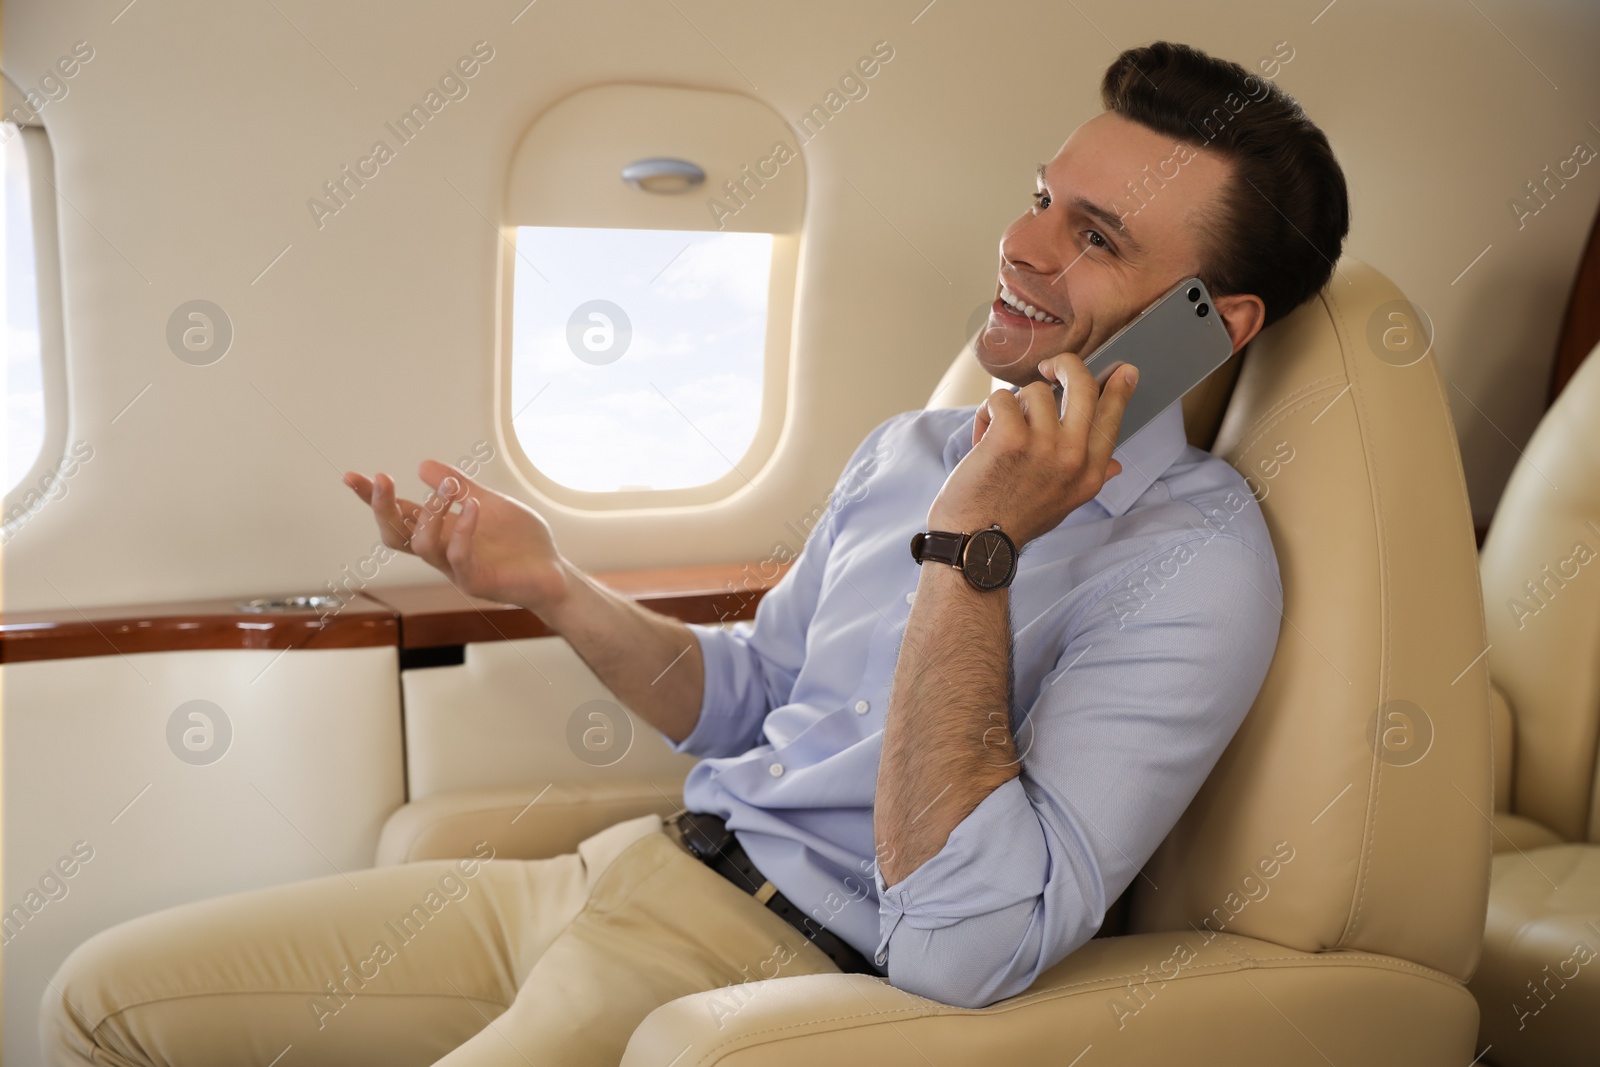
{"points": [[316, 602]]}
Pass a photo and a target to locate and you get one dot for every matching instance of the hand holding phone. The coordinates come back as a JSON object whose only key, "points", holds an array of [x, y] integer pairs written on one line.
{"points": [[1027, 469], [1175, 343]]}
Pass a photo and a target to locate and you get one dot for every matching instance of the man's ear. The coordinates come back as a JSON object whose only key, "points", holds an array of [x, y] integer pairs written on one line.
{"points": [[1242, 314]]}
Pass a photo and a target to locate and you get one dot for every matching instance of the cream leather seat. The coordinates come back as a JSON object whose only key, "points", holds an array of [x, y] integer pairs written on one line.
{"points": [[1323, 898], [1539, 984]]}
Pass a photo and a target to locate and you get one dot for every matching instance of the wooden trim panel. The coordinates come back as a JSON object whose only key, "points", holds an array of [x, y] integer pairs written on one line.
{"points": [[183, 626], [1580, 330], [437, 614], [433, 615]]}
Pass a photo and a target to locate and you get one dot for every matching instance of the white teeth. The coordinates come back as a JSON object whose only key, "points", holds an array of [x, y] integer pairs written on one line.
{"points": [[1021, 307]]}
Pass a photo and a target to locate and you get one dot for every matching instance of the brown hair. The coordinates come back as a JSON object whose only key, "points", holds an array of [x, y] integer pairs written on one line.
{"points": [[1285, 212]]}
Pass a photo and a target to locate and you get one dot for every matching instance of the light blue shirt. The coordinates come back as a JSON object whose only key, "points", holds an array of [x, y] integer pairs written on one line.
{"points": [[1143, 625]]}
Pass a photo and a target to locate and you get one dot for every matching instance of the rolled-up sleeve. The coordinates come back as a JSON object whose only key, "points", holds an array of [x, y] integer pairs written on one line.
{"points": [[750, 667], [1127, 726]]}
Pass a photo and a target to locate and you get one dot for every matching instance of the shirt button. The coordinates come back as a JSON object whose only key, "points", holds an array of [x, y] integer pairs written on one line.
{"points": [[881, 958], [862, 707], [911, 596], [776, 770]]}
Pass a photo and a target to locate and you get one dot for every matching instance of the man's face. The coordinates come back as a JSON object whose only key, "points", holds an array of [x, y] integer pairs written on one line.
{"points": [[1092, 252]]}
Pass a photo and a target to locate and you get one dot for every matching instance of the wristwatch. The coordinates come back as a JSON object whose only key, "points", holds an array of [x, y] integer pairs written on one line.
{"points": [[987, 558]]}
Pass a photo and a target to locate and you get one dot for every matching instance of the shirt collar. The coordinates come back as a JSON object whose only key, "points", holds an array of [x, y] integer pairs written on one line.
{"points": [[1145, 456]]}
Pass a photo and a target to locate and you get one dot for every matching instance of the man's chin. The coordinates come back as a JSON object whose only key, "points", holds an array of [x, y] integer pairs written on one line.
{"points": [[1015, 359], [1012, 370]]}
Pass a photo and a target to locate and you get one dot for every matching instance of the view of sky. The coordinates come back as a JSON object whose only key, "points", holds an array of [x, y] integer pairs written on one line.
{"points": [[23, 386], [679, 406]]}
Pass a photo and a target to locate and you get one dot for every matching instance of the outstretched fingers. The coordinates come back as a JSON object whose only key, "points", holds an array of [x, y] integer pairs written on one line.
{"points": [[436, 522], [396, 517]]}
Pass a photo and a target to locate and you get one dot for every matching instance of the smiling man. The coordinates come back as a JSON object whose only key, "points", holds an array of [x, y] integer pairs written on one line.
{"points": [[944, 774]]}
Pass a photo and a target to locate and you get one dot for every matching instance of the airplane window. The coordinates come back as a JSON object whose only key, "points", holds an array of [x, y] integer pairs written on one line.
{"points": [[637, 355], [23, 371]]}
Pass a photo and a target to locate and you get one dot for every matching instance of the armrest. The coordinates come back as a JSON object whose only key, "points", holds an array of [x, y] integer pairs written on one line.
{"points": [[528, 822], [1520, 833], [1228, 1001]]}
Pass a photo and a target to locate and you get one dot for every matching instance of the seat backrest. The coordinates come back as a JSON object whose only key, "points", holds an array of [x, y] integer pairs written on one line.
{"points": [[1541, 590], [1352, 808]]}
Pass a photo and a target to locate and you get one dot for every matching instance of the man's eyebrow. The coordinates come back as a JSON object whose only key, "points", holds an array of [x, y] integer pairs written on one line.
{"points": [[1105, 217]]}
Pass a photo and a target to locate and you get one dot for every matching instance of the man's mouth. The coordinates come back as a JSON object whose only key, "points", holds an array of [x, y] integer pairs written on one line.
{"points": [[1014, 304]]}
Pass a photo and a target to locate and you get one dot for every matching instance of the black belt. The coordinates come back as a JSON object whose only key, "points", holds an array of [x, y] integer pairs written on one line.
{"points": [[709, 839]]}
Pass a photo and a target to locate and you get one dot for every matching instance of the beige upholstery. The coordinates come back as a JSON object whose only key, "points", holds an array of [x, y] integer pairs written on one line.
{"points": [[1514, 833], [1538, 986], [1546, 627], [1375, 548], [1504, 745], [1323, 899], [1236, 1001], [965, 382]]}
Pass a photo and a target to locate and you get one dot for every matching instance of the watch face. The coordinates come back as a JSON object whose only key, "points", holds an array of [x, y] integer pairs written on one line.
{"points": [[990, 560]]}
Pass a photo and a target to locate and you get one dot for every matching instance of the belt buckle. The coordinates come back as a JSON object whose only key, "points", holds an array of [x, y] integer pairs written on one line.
{"points": [[704, 835]]}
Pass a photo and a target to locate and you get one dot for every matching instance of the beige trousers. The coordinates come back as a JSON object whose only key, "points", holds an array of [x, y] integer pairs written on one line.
{"points": [[457, 963]]}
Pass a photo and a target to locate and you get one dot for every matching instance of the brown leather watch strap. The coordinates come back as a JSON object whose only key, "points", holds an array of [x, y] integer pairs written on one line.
{"points": [[940, 546]]}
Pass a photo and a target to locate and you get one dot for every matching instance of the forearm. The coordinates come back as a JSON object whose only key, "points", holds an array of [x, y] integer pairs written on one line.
{"points": [[651, 662], [947, 740]]}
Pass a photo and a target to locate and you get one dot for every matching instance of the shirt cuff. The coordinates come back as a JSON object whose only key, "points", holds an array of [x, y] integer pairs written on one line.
{"points": [[1002, 833], [721, 724]]}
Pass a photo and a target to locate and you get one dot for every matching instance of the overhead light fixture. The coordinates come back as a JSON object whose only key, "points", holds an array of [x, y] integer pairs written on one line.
{"points": [[663, 175]]}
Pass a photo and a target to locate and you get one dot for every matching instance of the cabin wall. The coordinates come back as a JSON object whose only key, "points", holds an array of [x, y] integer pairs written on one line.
{"points": [[188, 147]]}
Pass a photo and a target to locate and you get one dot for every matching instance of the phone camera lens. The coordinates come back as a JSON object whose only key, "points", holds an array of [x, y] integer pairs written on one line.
{"points": [[1202, 310], [1194, 294]]}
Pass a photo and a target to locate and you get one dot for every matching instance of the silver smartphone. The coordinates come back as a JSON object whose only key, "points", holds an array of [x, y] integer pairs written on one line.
{"points": [[1175, 342]]}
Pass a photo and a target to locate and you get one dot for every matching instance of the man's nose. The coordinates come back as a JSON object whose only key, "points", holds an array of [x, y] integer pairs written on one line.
{"points": [[1034, 245]]}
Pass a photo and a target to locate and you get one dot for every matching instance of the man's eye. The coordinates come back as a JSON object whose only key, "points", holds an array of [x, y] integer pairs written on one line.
{"points": [[1041, 200], [1097, 239]]}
